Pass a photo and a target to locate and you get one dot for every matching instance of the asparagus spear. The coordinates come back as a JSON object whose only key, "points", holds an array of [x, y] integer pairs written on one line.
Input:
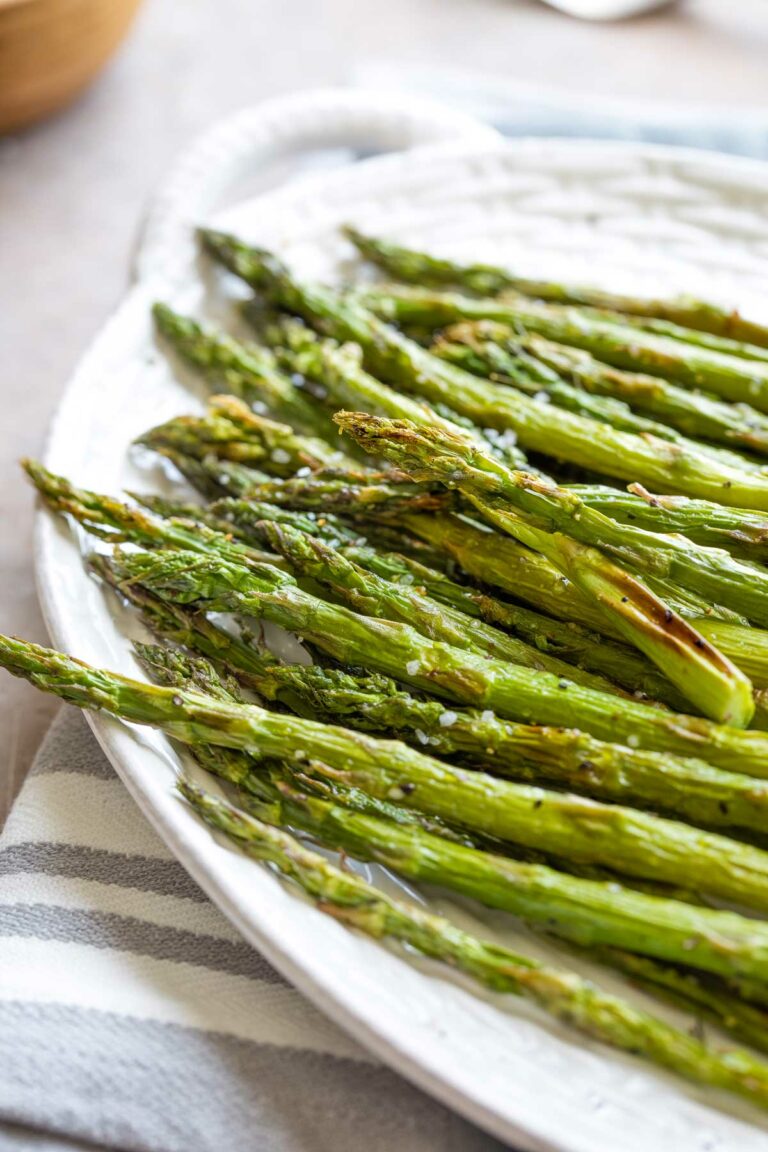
{"points": [[112, 520], [210, 475], [337, 370], [734, 347], [386, 495], [372, 595], [708, 679], [430, 454], [679, 786], [632, 401], [566, 436], [737, 530], [613, 341], [718, 941], [488, 280], [249, 372], [568, 641], [502, 562], [571, 827], [693, 413], [242, 518], [398, 650], [562, 994], [694, 991], [194, 630], [231, 432], [172, 667], [463, 346]]}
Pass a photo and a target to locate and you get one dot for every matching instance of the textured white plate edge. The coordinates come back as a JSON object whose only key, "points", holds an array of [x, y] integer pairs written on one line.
{"points": [[182, 835]]}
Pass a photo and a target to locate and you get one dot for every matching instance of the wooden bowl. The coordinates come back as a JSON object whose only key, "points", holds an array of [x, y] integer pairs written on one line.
{"points": [[51, 49]]}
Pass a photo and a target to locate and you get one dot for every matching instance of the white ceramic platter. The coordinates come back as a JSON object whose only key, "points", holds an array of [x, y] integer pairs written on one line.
{"points": [[636, 217]]}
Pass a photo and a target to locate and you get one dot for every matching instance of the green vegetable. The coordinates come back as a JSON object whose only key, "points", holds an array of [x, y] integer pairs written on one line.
{"points": [[539, 427], [704, 675], [372, 595], [609, 339], [488, 280], [440, 669], [248, 371], [500, 561], [354, 902], [230, 432], [575, 380]]}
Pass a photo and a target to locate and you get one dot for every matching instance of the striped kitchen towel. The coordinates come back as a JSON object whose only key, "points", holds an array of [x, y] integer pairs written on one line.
{"points": [[133, 1016]]}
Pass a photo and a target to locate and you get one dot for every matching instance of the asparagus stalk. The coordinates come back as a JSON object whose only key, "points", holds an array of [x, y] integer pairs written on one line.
{"points": [[695, 414], [734, 347], [564, 435], [712, 572], [112, 520], [420, 268], [679, 786], [338, 372], [632, 401], [704, 675], [623, 345], [718, 941], [460, 346], [487, 280], [474, 351], [385, 495], [372, 595], [737, 530], [194, 630], [172, 667], [693, 991], [209, 475], [567, 826], [249, 372], [242, 518], [503, 563], [567, 641], [231, 432], [563, 995], [397, 650]]}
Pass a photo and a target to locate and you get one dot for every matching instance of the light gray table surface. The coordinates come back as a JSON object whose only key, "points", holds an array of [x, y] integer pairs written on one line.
{"points": [[72, 190]]}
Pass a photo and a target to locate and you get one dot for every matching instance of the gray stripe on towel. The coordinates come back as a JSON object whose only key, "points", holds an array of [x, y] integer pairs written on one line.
{"points": [[148, 874], [70, 746], [128, 934], [149, 1087]]}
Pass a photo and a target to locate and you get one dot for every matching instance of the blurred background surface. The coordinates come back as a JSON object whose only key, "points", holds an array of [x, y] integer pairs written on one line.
{"points": [[72, 188]]}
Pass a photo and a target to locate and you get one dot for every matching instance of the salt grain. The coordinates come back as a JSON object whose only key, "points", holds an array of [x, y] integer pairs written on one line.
{"points": [[447, 719], [412, 667]]}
